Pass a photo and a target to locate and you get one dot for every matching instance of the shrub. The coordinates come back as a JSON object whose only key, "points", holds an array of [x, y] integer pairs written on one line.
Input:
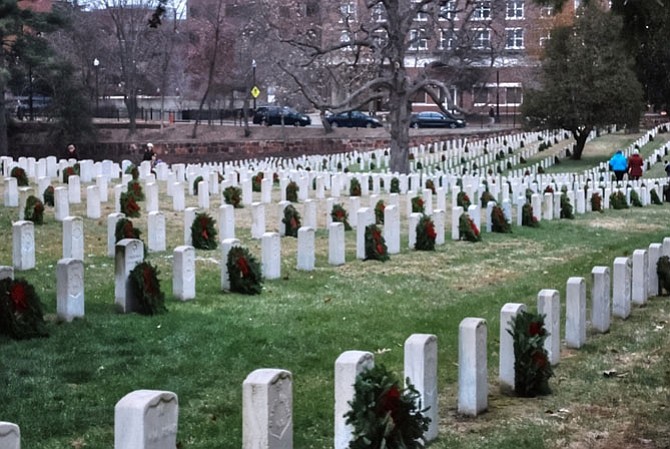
{"points": [[384, 415], [532, 369], [244, 272]]}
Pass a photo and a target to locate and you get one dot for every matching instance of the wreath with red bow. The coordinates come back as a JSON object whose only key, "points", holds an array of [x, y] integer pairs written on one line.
{"points": [[21, 315], [146, 289], [203, 232], [244, 272], [375, 244], [291, 221]]}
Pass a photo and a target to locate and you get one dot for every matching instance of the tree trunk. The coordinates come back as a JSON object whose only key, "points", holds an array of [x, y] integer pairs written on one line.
{"points": [[131, 105], [399, 117], [580, 136], [326, 124]]}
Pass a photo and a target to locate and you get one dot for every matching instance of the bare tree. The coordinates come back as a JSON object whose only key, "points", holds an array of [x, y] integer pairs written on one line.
{"points": [[346, 55]]}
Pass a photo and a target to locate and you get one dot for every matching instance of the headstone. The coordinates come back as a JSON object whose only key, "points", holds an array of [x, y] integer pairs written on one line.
{"points": [[61, 204], [536, 205], [366, 217], [621, 287], [439, 223], [412, 223], [178, 197], [306, 249], [23, 245], [655, 250], [129, 253], [549, 305], [267, 410], [203, 195], [548, 207], [600, 301], [146, 419], [151, 196], [189, 218], [70, 289], [281, 227], [266, 190], [347, 366], [336, 244], [24, 193], [391, 230], [183, 273], [11, 194], [226, 222], [92, 202], [10, 435], [257, 220], [640, 281], [271, 255], [506, 358], [420, 368], [156, 233], [73, 189], [472, 367], [226, 246], [575, 313], [73, 238], [102, 182], [455, 217], [310, 214], [6, 272]]}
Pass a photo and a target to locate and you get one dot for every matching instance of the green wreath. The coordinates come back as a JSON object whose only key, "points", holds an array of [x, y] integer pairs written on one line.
{"points": [[527, 217], [486, 198], [34, 210], [135, 189], [430, 184], [233, 195], [375, 244], [467, 229], [463, 200], [146, 288], [618, 200], [417, 205], [132, 171], [566, 207], [425, 234], [498, 221], [292, 192], [354, 187], [340, 215], [129, 206], [21, 315], [291, 221], [20, 175], [196, 181], [596, 202], [203, 232], [383, 414], [395, 185], [256, 182], [71, 170], [655, 199], [244, 272], [48, 196], [532, 369], [635, 199], [379, 212], [126, 230]]}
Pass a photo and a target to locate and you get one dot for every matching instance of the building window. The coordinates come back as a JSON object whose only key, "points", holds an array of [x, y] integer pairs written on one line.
{"points": [[545, 39], [547, 11], [448, 11], [514, 95], [345, 38], [514, 9], [417, 40], [514, 38], [379, 13], [421, 16], [380, 38], [481, 95], [347, 11], [447, 39], [482, 10], [482, 39]]}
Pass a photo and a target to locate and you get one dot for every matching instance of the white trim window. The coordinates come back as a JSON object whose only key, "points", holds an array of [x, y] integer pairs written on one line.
{"points": [[514, 38], [515, 9], [482, 40], [347, 12], [379, 13], [547, 11], [421, 16], [447, 39], [448, 11], [345, 38], [418, 40], [482, 10], [545, 38]]}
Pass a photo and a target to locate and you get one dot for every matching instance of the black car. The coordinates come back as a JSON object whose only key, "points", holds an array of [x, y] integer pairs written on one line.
{"points": [[435, 120], [274, 115], [353, 119]]}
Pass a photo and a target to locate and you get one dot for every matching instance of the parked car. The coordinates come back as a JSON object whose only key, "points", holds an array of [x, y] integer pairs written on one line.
{"points": [[353, 119], [429, 119], [273, 115]]}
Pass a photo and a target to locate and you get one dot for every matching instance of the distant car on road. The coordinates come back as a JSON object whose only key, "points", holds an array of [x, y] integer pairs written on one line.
{"points": [[430, 119], [353, 119], [273, 115]]}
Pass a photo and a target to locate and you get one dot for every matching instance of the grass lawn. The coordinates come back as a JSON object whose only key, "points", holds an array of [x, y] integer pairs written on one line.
{"points": [[62, 390]]}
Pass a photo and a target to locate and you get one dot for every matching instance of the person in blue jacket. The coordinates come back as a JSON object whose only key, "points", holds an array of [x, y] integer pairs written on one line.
{"points": [[619, 165]]}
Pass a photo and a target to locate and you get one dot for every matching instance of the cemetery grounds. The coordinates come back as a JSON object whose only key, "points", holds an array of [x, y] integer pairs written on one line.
{"points": [[612, 393]]}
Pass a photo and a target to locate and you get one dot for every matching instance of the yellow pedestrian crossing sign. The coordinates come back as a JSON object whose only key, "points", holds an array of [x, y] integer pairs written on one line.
{"points": [[255, 92]]}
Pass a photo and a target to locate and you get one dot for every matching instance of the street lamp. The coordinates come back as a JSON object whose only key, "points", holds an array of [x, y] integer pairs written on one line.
{"points": [[253, 79], [96, 66]]}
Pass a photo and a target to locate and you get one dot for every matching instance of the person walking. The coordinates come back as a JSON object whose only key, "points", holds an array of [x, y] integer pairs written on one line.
{"points": [[619, 165], [635, 165]]}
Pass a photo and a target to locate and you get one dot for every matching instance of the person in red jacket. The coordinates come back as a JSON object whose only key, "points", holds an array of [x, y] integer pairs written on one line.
{"points": [[635, 164]]}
